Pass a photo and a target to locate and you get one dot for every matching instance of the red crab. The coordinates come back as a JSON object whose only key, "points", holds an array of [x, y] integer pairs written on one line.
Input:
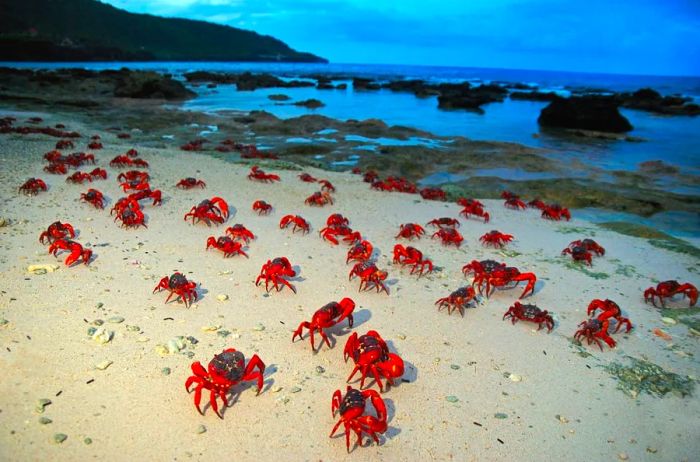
{"points": [[449, 236], [514, 202], [361, 251], [239, 231], [257, 174], [32, 186], [134, 185], [668, 289], [224, 371], [412, 256], [444, 222], [369, 273], [481, 269], [609, 309], [55, 231], [435, 194], [595, 330], [79, 178], [134, 175], [214, 209], [506, 275], [147, 194], [95, 145], [273, 271], [536, 204], [177, 284], [496, 239], [327, 316], [305, 177], [262, 207], [370, 176], [189, 183], [319, 198], [94, 197], [578, 253], [329, 233], [64, 144], [121, 161], [590, 245], [99, 173], [555, 212], [371, 355], [129, 212], [299, 223], [337, 219], [410, 230], [457, 300], [351, 409], [227, 245], [530, 313], [477, 210], [56, 168], [76, 251], [327, 186]]}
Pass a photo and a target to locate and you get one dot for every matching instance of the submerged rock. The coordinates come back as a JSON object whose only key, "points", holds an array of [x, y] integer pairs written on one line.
{"points": [[309, 103], [586, 112], [146, 85]]}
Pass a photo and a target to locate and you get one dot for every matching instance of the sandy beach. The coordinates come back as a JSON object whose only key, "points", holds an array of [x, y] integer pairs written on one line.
{"points": [[475, 388]]}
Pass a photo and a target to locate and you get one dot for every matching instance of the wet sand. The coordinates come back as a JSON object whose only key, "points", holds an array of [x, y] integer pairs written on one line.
{"points": [[566, 406]]}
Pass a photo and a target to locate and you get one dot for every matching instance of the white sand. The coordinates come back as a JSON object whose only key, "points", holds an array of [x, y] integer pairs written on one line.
{"points": [[132, 411]]}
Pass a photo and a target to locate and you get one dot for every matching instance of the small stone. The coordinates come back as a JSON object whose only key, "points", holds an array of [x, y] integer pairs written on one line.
{"points": [[295, 390], [59, 438], [102, 335], [116, 320], [451, 399], [3, 222], [201, 429], [401, 337], [259, 327], [99, 305], [222, 297], [651, 450], [669, 321], [162, 350], [623, 456], [500, 415], [165, 371], [454, 367], [561, 419], [133, 328], [320, 369], [4, 322], [45, 420], [41, 404], [210, 328], [103, 365], [87, 441], [515, 378], [694, 331], [277, 389], [223, 333]]}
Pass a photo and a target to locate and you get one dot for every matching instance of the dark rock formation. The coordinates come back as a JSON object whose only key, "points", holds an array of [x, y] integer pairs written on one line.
{"points": [[309, 103], [586, 112], [647, 99], [464, 96], [278, 97], [359, 83], [150, 85]]}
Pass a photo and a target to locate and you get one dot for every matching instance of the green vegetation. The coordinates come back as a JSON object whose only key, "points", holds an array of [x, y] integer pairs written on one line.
{"points": [[688, 316], [34, 30], [655, 238], [645, 376]]}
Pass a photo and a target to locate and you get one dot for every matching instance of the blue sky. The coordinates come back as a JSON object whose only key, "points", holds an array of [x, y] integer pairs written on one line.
{"points": [[617, 36]]}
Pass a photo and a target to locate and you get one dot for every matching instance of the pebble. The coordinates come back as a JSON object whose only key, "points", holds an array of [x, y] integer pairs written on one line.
{"points": [[45, 420], [669, 321], [103, 365], [87, 441], [452, 399], [259, 327], [320, 369], [515, 378], [99, 305], [3, 222], [133, 328], [401, 336], [4, 322], [223, 333], [295, 390], [201, 429], [651, 450], [210, 328], [454, 366], [500, 415], [116, 320], [623, 456], [41, 404], [44, 268], [277, 389], [102, 335], [59, 438], [165, 371], [222, 297], [561, 419]]}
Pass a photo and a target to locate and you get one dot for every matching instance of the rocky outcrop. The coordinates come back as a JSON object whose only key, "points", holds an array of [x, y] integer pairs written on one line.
{"points": [[309, 103], [279, 97], [586, 113], [148, 85], [246, 81], [359, 83], [647, 99], [464, 96]]}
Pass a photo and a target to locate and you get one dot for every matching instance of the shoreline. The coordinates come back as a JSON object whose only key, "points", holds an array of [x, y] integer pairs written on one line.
{"points": [[565, 404]]}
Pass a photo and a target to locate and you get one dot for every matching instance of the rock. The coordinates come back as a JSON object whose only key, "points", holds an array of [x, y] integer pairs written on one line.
{"points": [[451, 399], [295, 389], [102, 335], [42, 268], [586, 112], [87, 441], [115, 319], [647, 99], [279, 97], [658, 167], [359, 83], [259, 327], [515, 378], [222, 297], [148, 85], [500, 415], [41, 404], [454, 367], [103, 365], [320, 370], [4, 222], [59, 438], [623, 456], [165, 371], [45, 420], [310, 103], [201, 429], [464, 96], [669, 321]]}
